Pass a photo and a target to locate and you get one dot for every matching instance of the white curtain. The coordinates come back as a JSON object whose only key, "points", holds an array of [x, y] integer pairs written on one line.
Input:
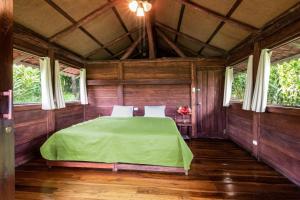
{"points": [[259, 101], [46, 84], [83, 91], [249, 83], [60, 102], [228, 86]]}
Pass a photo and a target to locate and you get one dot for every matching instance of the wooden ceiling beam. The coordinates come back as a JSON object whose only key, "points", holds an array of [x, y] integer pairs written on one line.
{"points": [[151, 44], [230, 12], [86, 19], [170, 43], [114, 41], [73, 21], [130, 50], [221, 17], [179, 21], [222, 51], [116, 12]]}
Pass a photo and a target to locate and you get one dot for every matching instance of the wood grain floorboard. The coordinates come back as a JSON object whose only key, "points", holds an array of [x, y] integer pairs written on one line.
{"points": [[220, 170]]}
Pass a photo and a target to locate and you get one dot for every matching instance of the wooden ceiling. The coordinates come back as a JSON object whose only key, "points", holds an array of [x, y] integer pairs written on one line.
{"points": [[106, 29]]}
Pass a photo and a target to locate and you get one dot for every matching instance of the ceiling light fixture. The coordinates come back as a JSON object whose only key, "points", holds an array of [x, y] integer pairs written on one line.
{"points": [[140, 7]]}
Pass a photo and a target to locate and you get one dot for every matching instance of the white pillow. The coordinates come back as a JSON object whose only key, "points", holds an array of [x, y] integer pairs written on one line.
{"points": [[122, 111], [155, 111]]}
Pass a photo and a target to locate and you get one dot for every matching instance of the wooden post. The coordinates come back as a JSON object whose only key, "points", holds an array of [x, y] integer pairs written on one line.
{"points": [[51, 113], [52, 65], [7, 139], [150, 36], [194, 99], [120, 86], [6, 54], [256, 116]]}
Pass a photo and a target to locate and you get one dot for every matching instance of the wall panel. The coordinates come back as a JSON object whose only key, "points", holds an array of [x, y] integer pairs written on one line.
{"points": [[102, 72], [170, 95], [239, 126], [280, 143], [278, 137], [157, 70], [68, 116], [32, 126]]}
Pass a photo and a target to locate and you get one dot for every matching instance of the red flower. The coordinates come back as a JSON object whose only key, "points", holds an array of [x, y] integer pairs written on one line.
{"points": [[184, 110]]}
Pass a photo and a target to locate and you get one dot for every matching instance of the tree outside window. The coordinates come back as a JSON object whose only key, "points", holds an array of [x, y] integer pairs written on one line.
{"points": [[284, 84], [26, 84], [70, 83]]}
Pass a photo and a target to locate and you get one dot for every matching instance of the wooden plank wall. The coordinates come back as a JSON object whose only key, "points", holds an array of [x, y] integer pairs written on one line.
{"points": [[32, 125], [279, 143], [239, 127], [143, 86], [278, 137], [68, 116], [152, 83]]}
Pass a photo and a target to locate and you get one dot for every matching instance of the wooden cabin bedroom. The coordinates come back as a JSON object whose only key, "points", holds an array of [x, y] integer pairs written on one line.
{"points": [[149, 99]]}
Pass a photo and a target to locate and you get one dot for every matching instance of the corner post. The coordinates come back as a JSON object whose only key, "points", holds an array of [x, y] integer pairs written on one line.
{"points": [[256, 116], [194, 99]]}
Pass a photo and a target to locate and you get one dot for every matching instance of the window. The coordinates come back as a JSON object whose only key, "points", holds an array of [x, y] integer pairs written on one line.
{"points": [[238, 86], [239, 81], [26, 78], [284, 84], [70, 83]]}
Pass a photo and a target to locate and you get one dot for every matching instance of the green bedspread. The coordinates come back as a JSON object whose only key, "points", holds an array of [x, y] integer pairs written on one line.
{"points": [[135, 140]]}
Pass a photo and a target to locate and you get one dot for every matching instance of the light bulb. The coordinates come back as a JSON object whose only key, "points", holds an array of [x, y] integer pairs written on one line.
{"points": [[133, 5], [147, 6], [140, 12]]}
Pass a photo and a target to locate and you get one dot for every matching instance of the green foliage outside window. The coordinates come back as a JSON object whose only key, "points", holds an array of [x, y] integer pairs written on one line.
{"points": [[27, 87], [70, 86], [238, 86], [284, 84]]}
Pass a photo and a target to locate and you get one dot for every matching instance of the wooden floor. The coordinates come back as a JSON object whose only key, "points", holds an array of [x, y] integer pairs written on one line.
{"points": [[220, 170]]}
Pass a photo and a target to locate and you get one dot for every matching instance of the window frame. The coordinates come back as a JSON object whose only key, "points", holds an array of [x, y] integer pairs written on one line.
{"points": [[66, 64], [234, 66], [288, 59], [31, 104]]}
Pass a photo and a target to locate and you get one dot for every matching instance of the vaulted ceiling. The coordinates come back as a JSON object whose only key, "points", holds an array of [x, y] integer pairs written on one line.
{"points": [[106, 29]]}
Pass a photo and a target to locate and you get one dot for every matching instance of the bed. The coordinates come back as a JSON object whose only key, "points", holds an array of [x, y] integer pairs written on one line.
{"points": [[120, 143]]}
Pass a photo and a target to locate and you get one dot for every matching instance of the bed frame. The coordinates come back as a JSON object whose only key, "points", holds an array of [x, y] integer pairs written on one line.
{"points": [[116, 166]]}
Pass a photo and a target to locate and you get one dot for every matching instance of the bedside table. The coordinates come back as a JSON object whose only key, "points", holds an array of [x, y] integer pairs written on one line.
{"points": [[188, 129]]}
